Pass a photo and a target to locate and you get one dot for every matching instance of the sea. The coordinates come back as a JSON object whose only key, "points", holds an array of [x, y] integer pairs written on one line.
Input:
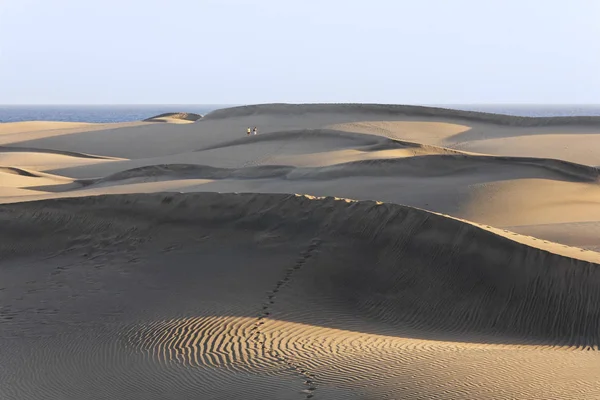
{"points": [[97, 113], [125, 113]]}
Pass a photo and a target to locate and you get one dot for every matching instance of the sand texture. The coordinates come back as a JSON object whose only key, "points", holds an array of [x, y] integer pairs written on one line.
{"points": [[347, 251], [173, 117]]}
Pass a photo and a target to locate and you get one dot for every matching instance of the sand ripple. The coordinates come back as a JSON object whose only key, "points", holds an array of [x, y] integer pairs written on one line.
{"points": [[304, 297]]}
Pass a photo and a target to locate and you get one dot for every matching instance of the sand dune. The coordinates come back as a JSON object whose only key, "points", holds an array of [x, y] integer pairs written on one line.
{"points": [[47, 159], [231, 124], [502, 191], [352, 300], [8, 128], [467, 269], [424, 166], [21, 183], [583, 234], [389, 109], [20, 173], [17, 132], [575, 143], [15, 149], [176, 118], [297, 147], [579, 148]]}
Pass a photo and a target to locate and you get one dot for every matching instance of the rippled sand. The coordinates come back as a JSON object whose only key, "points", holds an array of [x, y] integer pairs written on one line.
{"points": [[457, 275]]}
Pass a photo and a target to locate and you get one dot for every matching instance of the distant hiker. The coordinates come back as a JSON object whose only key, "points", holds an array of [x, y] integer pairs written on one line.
{"points": [[248, 131], [255, 130]]}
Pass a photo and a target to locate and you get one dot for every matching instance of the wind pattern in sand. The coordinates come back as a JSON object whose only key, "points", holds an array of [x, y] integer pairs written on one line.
{"points": [[432, 253]]}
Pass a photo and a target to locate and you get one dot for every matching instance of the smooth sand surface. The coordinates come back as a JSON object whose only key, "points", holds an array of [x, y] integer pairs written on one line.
{"points": [[175, 118], [464, 267]]}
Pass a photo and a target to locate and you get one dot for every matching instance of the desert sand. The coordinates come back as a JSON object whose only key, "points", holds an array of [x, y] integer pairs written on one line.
{"points": [[347, 251]]}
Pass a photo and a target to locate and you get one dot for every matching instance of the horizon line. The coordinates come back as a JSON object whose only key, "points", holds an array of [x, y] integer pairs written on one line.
{"points": [[250, 104]]}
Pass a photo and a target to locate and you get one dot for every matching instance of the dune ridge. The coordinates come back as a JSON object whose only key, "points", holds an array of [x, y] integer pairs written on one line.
{"points": [[19, 171], [446, 164], [389, 109], [404, 281], [405, 286], [17, 149], [365, 142], [370, 221], [174, 116]]}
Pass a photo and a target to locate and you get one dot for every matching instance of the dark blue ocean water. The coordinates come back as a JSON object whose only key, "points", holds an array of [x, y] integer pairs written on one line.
{"points": [[118, 113], [123, 113]]}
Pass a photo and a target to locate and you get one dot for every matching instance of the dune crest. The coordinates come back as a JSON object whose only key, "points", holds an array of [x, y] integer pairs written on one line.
{"points": [[393, 167], [432, 253], [175, 117], [348, 298], [392, 110]]}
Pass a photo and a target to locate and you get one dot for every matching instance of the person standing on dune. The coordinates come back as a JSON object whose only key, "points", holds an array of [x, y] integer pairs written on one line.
{"points": [[255, 130], [248, 131]]}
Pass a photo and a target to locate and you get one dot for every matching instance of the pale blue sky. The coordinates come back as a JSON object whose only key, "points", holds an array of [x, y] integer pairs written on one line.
{"points": [[241, 51]]}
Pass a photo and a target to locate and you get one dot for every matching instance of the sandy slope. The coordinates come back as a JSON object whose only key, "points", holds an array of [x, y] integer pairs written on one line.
{"points": [[11, 132], [175, 118], [280, 296], [569, 143]]}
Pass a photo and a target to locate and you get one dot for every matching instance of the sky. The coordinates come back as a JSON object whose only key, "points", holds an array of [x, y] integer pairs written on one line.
{"points": [[317, 51]]}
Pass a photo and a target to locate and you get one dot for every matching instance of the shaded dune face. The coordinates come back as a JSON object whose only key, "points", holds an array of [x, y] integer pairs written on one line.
{"points": [[409, 265], [281, 296], [304, 297], [475, 287]]}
